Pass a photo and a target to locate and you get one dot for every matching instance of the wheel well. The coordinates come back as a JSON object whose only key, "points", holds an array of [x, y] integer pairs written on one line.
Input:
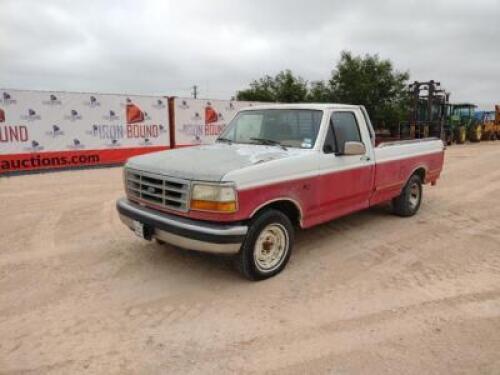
{"points": [[288, 207], [421, 173]]}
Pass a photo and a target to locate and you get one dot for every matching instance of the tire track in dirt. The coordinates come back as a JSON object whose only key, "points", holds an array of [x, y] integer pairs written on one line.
{"points": [[287, 348]]}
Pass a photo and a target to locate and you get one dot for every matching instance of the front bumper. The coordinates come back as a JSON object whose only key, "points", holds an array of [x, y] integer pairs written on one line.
{"points": [[182, 232]]}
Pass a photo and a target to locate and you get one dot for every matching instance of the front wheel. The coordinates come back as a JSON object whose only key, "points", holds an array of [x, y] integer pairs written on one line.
{"points": [[408, 202], [267, 246]]}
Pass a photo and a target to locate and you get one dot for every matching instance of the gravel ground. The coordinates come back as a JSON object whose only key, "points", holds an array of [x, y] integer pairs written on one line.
{"points": [[369, 293]]}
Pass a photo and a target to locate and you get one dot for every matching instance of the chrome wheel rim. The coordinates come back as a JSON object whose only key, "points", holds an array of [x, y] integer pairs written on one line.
{"points": [[271, 247], [414, 195]]}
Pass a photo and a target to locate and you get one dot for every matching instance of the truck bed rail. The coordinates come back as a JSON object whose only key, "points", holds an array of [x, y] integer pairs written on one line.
{"points": [[407, 142]]}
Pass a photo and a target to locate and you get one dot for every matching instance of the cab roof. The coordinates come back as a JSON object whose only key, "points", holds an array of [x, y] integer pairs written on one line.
{"points": [[464, 105], [313, 106]]}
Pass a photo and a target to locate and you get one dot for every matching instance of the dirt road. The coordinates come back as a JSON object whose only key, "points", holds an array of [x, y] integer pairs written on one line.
{"points": [[370, 293]]}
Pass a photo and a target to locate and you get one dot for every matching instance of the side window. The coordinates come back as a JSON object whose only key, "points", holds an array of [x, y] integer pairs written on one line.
{"points": [[345, 128]]}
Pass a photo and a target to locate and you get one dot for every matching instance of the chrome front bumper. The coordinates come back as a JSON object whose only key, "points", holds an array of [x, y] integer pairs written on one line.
{"points": [[182, 232]]}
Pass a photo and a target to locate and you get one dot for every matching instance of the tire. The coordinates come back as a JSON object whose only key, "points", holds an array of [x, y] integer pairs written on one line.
{"points": [[461, 135], [271, 228], [408, 202], [476, 134]]}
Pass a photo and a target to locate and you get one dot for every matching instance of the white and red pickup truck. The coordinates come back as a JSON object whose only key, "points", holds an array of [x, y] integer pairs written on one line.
{"points": [[274, 169]]}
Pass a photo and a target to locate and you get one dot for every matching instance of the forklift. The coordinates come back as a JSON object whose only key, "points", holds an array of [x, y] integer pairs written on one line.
{"points": [[427, 113]]}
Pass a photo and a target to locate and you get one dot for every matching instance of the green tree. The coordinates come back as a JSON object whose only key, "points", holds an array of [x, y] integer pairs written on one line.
{"points": [[285, 87], [371, 82], [319, 92], [261, 90], [290, 89], [364, 80]]}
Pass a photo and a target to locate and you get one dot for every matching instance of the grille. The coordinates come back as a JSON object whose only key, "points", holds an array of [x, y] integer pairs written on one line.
{"points": [[159, 190]]}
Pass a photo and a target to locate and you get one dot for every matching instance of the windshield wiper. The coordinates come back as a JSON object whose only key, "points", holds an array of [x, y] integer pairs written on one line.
{"points": [[268, 142], [225, 140]]}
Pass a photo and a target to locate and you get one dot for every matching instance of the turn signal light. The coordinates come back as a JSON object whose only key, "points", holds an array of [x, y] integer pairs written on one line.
{"points": [[227, 207]]}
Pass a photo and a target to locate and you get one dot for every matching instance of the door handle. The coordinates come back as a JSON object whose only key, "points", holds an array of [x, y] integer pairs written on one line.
{"points": [[365, 158]]}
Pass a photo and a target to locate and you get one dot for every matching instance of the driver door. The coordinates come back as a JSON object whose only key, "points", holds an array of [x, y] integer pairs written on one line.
{"points": [[346, 181]]}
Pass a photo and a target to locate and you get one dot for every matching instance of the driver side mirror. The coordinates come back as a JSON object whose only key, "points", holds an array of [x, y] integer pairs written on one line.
{"points": [[354, 148]]}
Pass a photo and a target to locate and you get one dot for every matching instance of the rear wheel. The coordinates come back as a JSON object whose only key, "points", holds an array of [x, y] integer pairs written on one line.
{"points": [[267, 246], [408, 202], [461, 135], [476, 134]]}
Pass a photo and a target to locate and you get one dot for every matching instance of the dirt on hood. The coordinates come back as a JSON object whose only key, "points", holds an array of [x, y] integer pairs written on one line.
{"points": [[209, 162]]}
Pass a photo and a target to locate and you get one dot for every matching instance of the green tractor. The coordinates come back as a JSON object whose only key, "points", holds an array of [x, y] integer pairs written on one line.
{"points": [[462, 124]]}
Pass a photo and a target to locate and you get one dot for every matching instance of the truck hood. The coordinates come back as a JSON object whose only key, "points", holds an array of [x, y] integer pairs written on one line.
{"points": [[210, 162]]}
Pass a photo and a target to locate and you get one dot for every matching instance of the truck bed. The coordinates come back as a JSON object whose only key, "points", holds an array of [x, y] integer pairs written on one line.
{"points": [[397, 161]]}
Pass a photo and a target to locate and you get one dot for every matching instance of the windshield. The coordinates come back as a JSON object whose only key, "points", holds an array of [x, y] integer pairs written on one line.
{"points": [[465, 111], [286, 127]]}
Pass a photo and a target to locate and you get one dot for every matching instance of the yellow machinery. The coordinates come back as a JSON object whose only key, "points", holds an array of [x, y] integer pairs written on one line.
{"points": [[490, 123]]}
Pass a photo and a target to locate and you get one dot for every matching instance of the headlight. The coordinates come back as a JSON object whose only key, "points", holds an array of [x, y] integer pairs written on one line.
{"points": [[217, 198]]}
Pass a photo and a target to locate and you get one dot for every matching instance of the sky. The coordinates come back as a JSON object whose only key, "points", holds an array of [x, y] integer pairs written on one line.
{"points": [[165, 47]]}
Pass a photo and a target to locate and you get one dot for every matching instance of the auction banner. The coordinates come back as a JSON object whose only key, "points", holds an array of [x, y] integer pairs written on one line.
{"points": [[200, 121], [46, 130]]}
